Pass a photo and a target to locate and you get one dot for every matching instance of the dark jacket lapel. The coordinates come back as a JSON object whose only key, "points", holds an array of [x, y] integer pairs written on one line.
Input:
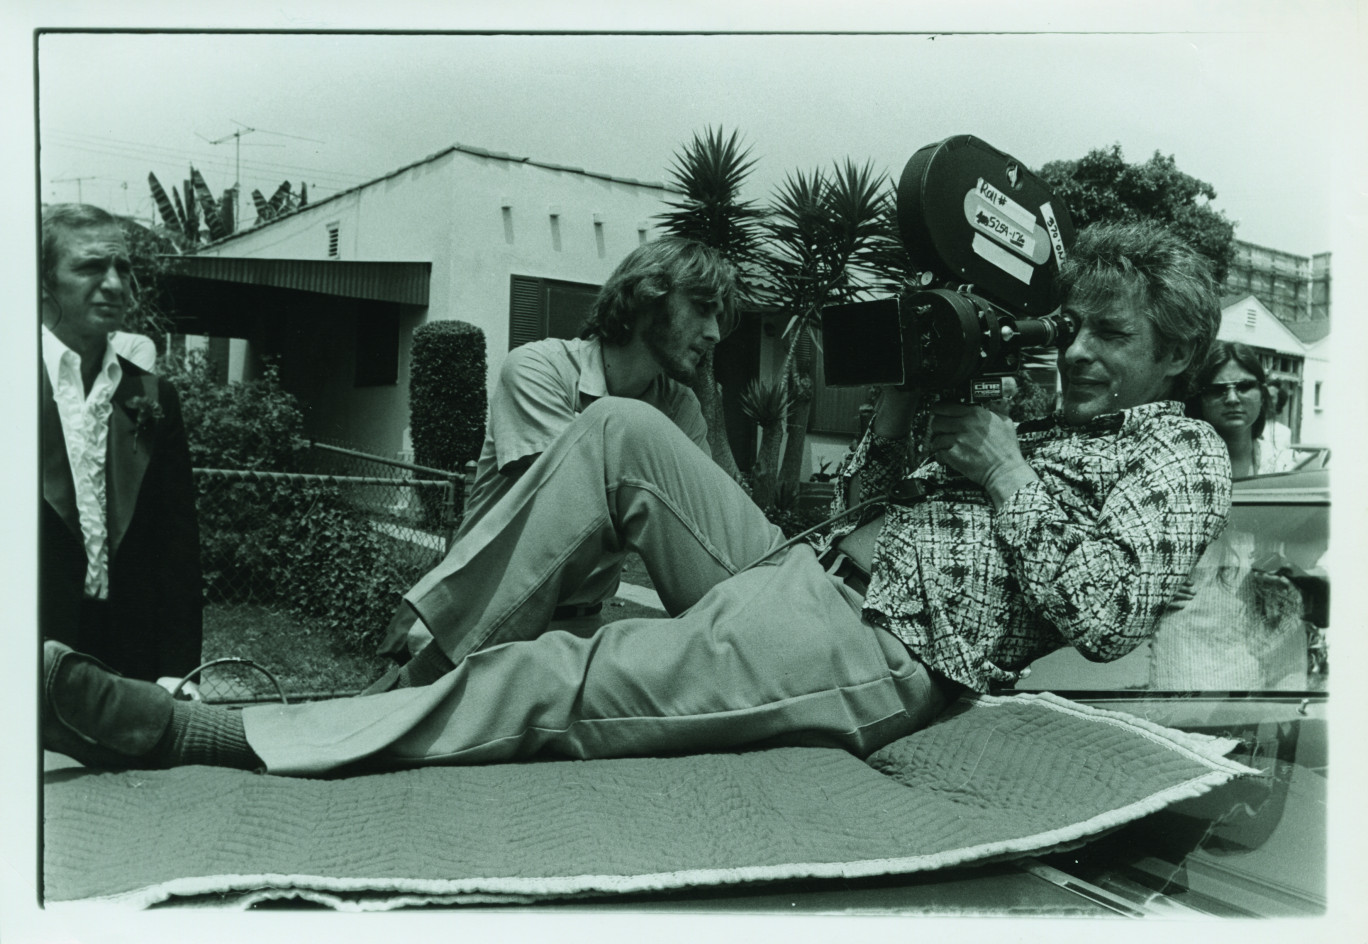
{"points": [[58, 488], [129, 447]]}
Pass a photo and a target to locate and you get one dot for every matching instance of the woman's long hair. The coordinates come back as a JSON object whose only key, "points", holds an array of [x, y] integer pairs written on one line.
{"points": [[1222, 353]]}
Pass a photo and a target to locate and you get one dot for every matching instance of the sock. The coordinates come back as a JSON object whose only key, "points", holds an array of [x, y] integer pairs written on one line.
{"points": [[205, 734], [430, 664]]}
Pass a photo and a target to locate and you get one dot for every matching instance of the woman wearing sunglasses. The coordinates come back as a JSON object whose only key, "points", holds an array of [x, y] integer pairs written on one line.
{"points": [[1237, 624], [1233, 396]]}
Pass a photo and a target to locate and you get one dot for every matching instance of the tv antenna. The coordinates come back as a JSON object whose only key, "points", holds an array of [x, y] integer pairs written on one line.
{"points": [[236, 137], [77, 181]]}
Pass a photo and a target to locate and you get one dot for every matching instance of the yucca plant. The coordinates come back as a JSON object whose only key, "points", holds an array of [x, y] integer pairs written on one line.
{"points": [[821, 240], [824, 231], [766, 403], [709, 173]]}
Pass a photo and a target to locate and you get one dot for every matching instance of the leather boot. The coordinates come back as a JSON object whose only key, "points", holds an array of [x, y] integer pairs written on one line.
{"points": [[96, 716]]}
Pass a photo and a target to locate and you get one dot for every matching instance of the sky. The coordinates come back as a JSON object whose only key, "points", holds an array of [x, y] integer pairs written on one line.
{"points": [[1251, 107]]}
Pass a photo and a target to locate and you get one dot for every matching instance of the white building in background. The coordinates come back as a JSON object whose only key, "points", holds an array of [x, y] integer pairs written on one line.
{"points": [[334, 290], [1315, 417], [1300, 367], [517, 247]]}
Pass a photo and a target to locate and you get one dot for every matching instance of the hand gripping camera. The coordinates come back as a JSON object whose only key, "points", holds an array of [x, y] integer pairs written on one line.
{"points": [[986, 236]]}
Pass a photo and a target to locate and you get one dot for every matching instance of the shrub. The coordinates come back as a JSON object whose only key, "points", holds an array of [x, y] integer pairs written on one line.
{"points": [[301, 548], [790, 514], [343, 576], [252, 425], [1033, 399], [447, 401]]}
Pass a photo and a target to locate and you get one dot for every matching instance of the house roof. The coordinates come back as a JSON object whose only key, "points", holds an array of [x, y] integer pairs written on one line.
{"points": [[402, 282], [1246, 319], [1309, 332], [1306, 332], [463, 149]]}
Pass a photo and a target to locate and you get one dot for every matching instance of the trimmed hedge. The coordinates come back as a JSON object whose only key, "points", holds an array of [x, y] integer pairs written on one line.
{"points": [[447, 399]]}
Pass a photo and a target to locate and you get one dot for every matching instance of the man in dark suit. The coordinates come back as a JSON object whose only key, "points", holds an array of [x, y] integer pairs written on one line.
{"points": [[119, 566]]}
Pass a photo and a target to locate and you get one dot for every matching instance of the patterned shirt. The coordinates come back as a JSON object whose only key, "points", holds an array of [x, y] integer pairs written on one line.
{"points": [[1087, 556], [85, 429]]}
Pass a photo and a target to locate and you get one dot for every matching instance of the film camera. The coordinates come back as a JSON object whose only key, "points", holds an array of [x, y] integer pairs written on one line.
{"points": [[986, 237]]}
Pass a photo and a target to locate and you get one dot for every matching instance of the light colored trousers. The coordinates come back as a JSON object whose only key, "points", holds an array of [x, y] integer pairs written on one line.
{"points": [[773, 654]]}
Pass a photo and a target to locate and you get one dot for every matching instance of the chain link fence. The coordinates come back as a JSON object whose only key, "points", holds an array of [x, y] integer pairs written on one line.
{"points": [[303, 571]]}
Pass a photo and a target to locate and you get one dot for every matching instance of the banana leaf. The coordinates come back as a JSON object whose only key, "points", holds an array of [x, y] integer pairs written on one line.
{"points": [[280, 200], [168, 213], [209, 205], [264, 210]]}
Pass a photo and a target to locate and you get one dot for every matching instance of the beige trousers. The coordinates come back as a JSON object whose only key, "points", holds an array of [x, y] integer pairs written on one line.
{"points": [[771, 654]]}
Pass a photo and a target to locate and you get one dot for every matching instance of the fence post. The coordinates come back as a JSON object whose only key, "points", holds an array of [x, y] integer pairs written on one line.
{"points": [[449, 519], [465, 482]]}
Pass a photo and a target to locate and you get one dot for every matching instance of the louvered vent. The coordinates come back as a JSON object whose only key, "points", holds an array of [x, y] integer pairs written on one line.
{"points": [[527, 319]]}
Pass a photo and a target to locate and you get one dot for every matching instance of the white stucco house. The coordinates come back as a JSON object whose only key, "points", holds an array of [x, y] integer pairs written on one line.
{"points": [[334, 290], [1296, 355], [517, 247]]}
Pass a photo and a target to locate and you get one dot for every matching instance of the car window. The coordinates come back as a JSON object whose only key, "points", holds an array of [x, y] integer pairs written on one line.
{"points": [[1244, 659], [1253, 616]]}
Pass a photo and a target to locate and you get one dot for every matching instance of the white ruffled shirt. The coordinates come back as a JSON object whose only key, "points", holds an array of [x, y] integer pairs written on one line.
{"points": [[85, 428]]}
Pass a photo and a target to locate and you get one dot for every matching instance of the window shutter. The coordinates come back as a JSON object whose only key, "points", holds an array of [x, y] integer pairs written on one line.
{"points": [[567, 308], [526, 311]]}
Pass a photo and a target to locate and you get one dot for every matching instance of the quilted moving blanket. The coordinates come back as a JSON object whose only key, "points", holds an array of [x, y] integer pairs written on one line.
{"points": [[994, 778]]}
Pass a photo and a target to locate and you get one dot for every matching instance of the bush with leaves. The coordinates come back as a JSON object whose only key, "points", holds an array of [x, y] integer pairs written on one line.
{"points": [[257, 426], [151, 254], [299, 548], [252, 425], [788, 511], [343, 575]]}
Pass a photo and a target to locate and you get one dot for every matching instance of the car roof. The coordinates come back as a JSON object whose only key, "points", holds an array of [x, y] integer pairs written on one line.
{"points": [[1311, 486]]}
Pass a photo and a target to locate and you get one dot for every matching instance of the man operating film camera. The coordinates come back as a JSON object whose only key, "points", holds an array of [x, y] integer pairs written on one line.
{"points": [[1005, 544]]}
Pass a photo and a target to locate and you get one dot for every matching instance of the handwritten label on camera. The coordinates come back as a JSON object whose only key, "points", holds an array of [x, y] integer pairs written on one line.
{"points": [[990, 251], [988, 216], [1052, 228]]}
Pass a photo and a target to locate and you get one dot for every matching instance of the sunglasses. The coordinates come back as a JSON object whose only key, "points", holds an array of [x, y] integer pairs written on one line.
{"points": [[1241, 387]]}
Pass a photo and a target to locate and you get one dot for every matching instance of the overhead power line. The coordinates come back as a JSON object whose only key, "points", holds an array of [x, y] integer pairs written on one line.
{"points": [[340, 178], [159, 153], [281, 134]]}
